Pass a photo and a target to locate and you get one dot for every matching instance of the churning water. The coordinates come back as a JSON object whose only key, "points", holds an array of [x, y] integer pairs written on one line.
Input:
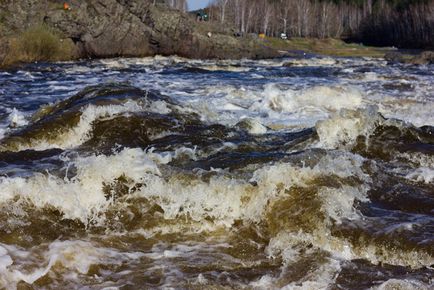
{"points": [[314, 173]]}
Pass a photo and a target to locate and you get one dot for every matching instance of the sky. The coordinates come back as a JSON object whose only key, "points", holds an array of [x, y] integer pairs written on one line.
{"points": [[197, 4]]}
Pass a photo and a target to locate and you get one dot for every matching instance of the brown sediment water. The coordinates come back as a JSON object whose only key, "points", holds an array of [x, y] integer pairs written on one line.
{"points": [[167, 173]]}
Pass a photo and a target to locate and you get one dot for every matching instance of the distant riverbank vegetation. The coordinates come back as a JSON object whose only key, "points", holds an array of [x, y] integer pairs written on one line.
{"points": [[401, 23]]}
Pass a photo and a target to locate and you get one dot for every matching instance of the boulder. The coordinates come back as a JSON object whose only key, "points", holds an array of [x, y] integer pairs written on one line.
{"points": [[426, 57], [394, 57]]}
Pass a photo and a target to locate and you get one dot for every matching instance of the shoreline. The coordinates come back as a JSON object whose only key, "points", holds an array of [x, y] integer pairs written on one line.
{"points": [[295, 48], [118, 30]]}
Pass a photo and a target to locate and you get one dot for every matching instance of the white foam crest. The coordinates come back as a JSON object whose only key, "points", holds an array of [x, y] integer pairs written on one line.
{"points": [[163, 251], [80, 133], [168, 156], [222, 198], [372, 76], [275, 106], [17, 118], [325, 61], [226, 67], [253, 126], [343, 128], [291, 245], [419, 113], [113, 63], [402, 284], [2, 132], [319, 98], [79, 69], [422, 174], [319, 278], [178, 228], [76, 256], [226, 199], [82, 197], [419, 158]]}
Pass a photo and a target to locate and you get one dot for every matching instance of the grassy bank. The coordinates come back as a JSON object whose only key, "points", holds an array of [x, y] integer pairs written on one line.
{"points": [[40, 43], [329, 46]]}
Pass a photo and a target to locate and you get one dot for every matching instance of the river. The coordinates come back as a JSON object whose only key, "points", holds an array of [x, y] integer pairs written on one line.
{"points": [[168, 173]]}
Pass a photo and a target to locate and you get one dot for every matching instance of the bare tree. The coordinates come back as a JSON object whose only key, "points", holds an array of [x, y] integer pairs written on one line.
{"points": [[222, 4], [383, 22]]}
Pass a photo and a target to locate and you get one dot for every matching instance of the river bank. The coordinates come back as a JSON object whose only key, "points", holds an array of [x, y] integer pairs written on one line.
{"points": [[48, 32], [108, 28]]}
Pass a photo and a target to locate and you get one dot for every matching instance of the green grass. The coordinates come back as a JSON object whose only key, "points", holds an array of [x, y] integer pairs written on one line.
{"points": [[40, 43], [328, 46]]}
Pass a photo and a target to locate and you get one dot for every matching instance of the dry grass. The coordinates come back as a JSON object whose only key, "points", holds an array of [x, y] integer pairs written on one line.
{"points": [[40, 43]]}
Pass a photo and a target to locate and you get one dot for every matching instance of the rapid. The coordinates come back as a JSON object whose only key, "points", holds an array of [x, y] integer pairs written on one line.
{"points": [[168, 173]]}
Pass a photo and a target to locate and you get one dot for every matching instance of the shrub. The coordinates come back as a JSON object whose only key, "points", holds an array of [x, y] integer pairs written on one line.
{"points": [[40, 43]]}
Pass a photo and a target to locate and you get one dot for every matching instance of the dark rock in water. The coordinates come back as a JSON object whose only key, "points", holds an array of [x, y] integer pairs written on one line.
{"points": [[426, 57], [110, 28], [400, 86], [394, 57]]}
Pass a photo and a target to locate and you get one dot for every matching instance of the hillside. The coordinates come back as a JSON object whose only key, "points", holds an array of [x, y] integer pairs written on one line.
{"points": [[43, 30]]}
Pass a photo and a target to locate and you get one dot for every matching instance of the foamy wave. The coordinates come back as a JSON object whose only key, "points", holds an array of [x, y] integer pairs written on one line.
{"points": [[398, 284], [343, 128], [80, 133], [422, 160], [82, 197], [14, 119], [231, 68], [423, 174], [291, 246], [275, 106], [17, 118], [320, 278], [222, 198], [324, 61], [75, 256], [320, 97], [419, 113], [227, 199]]}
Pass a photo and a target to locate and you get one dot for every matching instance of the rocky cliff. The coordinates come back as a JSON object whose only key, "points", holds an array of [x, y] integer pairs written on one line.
{"points": [[110, 28]]}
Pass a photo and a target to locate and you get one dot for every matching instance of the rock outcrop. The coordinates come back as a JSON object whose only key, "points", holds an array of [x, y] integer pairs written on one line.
{"points": [[425, 57], [110, 28]]}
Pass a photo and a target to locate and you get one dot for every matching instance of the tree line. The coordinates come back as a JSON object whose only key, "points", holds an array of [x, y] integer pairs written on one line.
{"points": [[176, 4], [403, 23]]}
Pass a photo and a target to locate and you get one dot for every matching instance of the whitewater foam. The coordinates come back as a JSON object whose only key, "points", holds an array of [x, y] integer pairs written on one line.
{"points": [[343, 128], [17, 118], [422, 174], [81, 132], [76, 256], [82, 197], [404, 284]]}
